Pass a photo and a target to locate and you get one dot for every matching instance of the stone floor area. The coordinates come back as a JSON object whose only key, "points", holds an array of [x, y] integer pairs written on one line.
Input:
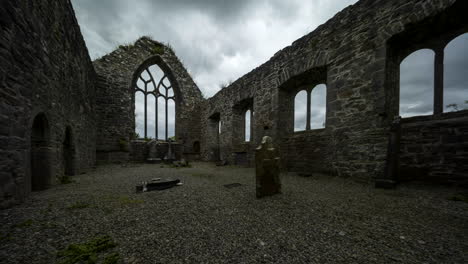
{"points": [[316, 220]]}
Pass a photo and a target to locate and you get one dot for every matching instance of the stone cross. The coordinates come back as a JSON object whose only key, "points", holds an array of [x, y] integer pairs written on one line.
{"points": [[267, 169]]}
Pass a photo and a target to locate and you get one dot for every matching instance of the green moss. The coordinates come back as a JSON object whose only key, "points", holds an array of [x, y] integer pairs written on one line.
{"points": [[26, 223], [123, 144], [88, 252], [158, 49], [78, 205], [134, 135]]}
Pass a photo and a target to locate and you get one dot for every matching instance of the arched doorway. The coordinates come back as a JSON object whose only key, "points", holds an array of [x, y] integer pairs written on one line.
{"points": [[40, 157], [196, 146], [68, 153]]}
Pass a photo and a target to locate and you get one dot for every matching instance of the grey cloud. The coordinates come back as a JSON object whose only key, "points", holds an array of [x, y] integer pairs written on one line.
{"points": [[218, 40]]}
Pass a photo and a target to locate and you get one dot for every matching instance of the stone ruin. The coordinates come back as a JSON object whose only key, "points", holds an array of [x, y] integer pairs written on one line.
{"points": [[61, 113]]}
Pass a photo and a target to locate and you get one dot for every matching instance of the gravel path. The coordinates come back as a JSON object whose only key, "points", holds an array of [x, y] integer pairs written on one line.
{"points": [[315, 220]]}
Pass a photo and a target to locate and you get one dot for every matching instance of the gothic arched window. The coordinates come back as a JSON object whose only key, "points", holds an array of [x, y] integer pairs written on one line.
{"points": [[154, 104]]}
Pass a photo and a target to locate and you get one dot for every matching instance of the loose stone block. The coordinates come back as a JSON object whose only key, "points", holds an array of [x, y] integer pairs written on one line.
{"points": [[267, 165]]}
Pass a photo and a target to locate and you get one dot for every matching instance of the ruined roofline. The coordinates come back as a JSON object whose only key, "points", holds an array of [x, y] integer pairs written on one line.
{"points": [[143, 40], [295, 44]]}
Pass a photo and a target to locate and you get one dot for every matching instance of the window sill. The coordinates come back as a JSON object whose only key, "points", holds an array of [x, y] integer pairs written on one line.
{"points": [[316, 130], [443, 116]]}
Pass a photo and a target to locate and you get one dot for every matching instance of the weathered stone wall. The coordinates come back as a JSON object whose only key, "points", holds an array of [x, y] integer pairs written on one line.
{"points": [[115, 94], [45, 68], [350, 54], [435, 148]]}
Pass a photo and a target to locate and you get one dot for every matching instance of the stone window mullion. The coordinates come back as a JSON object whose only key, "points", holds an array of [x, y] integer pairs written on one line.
{"points": [[309, 91], [439, 81]]}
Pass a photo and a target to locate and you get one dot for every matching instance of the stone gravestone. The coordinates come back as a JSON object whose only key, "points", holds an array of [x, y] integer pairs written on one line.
{"points": [[267, 169], [153, 152]]}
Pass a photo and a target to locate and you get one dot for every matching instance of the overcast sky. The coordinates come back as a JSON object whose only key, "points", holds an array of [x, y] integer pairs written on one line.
{"points": [[217, 40], [220, 40]]}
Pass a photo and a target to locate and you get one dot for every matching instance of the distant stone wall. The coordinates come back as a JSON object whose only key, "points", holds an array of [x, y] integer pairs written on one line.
{"points": [[115, 94], [351, 55], [435, 149], [45, 68]]}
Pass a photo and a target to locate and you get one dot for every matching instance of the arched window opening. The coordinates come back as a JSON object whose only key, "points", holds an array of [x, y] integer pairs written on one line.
{"points": [[310, 108], [219, 127], [155, 107], [318, 108], [417, 84], [456, 74], [247, 126], [300, 111], [40, 160]]}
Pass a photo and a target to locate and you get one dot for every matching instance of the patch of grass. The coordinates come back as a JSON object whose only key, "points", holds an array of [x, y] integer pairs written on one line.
{"points": [[26, 223], [126, 200], [202, 175], [78, 205], [126, 47], [65, 179], [459, 198], [88, 252]]}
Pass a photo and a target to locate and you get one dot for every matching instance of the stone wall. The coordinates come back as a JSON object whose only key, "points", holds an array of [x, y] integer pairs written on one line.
{"points": [[45, 68], [115, 94], [435, 148], [351, 55]]}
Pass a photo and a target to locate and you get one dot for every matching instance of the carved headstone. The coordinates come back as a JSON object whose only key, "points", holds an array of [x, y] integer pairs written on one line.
{"points": [[267, 168]]}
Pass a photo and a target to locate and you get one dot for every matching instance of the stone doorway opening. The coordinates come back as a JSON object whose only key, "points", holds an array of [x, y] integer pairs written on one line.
{"points": [[40, 153], [69, 153]]}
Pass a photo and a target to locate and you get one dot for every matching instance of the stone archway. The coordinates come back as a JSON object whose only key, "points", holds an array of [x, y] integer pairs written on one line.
{"points": [[69, 153], [40, 153]]}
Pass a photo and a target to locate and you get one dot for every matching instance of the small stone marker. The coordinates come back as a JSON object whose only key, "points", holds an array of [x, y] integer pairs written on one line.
{"points": [[267, 169]]}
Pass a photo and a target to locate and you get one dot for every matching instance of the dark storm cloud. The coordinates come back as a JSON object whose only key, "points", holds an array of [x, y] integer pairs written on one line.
{"points": [[217, 40]]}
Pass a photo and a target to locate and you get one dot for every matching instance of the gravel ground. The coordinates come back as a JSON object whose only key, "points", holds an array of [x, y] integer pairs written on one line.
{"points": [[316, 220]]}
